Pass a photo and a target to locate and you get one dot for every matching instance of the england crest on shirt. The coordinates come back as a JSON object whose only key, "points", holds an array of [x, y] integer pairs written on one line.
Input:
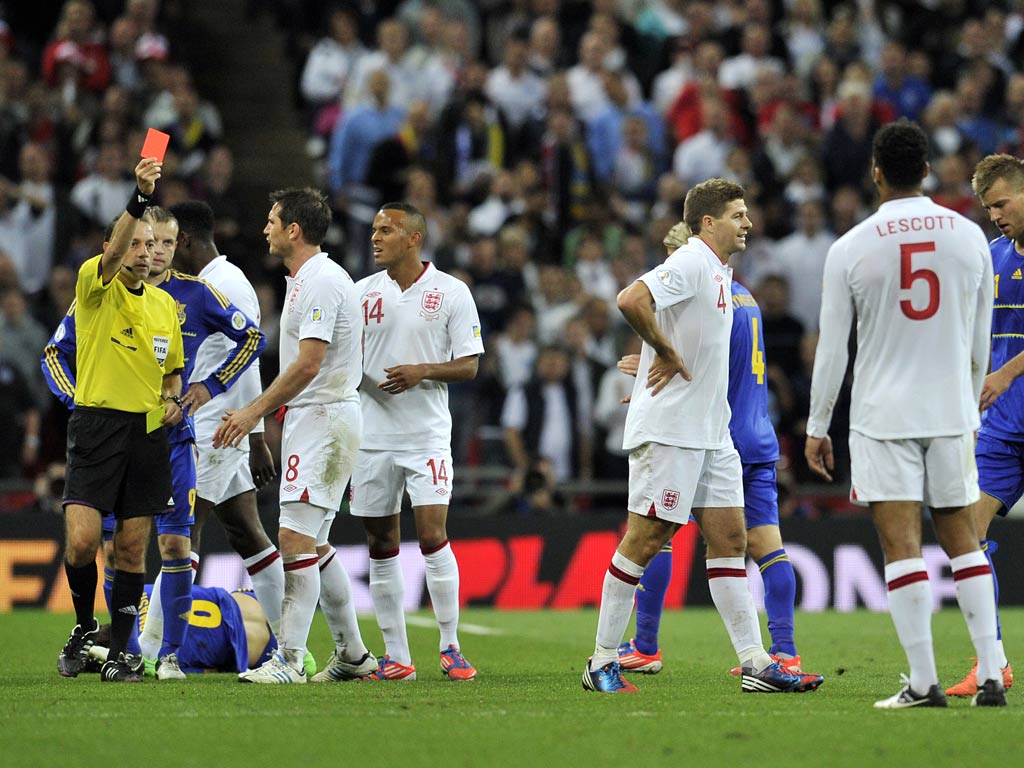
{"points": [[431, 302]]}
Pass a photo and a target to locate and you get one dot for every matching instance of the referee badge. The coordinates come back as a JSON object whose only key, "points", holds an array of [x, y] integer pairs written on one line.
{"points": [[238, 321], [161, 347], [316, 314]]}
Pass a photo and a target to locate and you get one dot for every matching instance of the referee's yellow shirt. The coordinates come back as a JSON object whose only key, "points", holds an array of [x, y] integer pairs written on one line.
{"points": [[127, 342]]}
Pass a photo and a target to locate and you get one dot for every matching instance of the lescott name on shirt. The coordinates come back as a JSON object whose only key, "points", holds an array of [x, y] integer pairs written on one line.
{"points": [[915, 224]]}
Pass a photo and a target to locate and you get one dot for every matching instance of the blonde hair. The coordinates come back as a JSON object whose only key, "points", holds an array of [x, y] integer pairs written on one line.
{"points": [[677, 236]]}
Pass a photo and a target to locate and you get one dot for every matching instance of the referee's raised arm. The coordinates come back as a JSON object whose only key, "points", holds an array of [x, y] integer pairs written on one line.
{"points": [[146, 174]]}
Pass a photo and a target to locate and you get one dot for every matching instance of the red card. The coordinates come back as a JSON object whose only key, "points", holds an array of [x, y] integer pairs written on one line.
{"points": [[155, 144]]}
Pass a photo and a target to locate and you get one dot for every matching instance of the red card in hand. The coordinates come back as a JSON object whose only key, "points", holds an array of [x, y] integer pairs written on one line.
{"points": [[155, 144]]}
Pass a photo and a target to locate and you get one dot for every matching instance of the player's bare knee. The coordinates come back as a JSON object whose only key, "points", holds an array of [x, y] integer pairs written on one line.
{"points": [[174, 546], [81, 552]]}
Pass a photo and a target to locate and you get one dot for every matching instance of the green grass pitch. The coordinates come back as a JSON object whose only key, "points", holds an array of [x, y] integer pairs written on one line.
{"points": [[526, 708]]}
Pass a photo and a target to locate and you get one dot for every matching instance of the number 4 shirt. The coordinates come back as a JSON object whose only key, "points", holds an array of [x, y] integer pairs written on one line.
{"points": [[433, 321], [692, 294], [918, 278]]}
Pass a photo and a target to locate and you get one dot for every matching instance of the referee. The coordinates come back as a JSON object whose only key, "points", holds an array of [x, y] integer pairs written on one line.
{"points": [[129, 361]]}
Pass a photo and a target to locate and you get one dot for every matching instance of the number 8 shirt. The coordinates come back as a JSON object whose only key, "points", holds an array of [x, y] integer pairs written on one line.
{"points": [[435, 320], [918, 278]]}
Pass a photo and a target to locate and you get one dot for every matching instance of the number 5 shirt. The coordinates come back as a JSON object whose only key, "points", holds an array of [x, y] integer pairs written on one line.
{"points": [[433, 321], [692, 294], [918, 278]]}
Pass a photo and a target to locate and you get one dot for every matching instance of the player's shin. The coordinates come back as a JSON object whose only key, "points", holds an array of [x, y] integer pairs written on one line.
{"points": [[387, 588], [972, 578], [338, 608], [442, 575], [910, 603], [727, 581], [301, 593], [650, 600], [616, 606], [779, 597]]}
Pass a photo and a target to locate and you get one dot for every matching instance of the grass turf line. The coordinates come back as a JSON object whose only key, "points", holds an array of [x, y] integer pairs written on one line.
{"points": [[526, 708]]}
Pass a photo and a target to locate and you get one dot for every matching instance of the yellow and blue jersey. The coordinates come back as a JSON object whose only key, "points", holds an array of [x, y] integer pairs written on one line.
{"points": [[1005, 418], [215, 639], [202, 311], [750, 426]]}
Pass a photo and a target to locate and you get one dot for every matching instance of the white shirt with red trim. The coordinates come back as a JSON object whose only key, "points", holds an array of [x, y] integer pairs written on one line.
{"points": [[435, 320], [692, 294], [321, 304], [918, 279]]}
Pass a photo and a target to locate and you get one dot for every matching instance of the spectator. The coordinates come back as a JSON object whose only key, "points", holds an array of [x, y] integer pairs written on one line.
{"points": [[22, 339], [19, 420], [738, 72], [906, 94], [801, 260], [328, 68], [389, 56], [100, 196], [846, 148], [703, 155], [545, 46], [76, 41], [518, 92]]}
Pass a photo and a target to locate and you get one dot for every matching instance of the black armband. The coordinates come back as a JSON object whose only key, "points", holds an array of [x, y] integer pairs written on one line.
{"points": [[138, 203]]}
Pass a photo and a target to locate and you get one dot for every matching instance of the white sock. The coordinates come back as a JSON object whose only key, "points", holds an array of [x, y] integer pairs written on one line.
{"points": [[972, 578], [301, 593], [194, 556], [910, 604], [152, 635], [727, 581], [1003, 661], [338, 608], [443, 586], [616, 607], [387, 588], [266, 570]]}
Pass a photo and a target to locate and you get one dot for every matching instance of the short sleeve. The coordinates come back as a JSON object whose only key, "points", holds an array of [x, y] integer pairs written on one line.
{"points": [[90, 288], [674, 281], [464, 325], [322, 300]]}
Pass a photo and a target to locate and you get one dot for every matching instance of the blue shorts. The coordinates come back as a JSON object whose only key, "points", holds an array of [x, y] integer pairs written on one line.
{"points": [[178, 518], [760, 495], [1000, 469]]}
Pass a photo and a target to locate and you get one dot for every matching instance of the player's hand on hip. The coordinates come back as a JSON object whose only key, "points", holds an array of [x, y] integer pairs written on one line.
{"points": [[401, 378], [197, 396], [234, 426], [629, 364], [995, 384], [663, 369], [818, 452], [146, 174], [172, 414]]}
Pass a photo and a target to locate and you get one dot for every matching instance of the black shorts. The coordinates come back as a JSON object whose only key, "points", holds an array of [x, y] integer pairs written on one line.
{"points": [[114, 466]]}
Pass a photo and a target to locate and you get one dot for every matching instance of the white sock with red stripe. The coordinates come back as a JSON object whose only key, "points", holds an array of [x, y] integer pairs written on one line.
{"points": [[301, 593], [387, 588], [972, 578], [194, 556], [910, 604], [266, 570], [339, 610], [727, 581], [443, 586], [616, 607]]}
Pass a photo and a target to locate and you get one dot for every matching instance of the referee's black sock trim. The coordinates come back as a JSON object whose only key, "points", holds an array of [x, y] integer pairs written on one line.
{"points": [[82, 583], [124, 608]]}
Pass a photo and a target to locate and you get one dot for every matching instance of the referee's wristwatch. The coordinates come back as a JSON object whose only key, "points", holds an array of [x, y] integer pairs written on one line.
{"points": [[174, 399]]}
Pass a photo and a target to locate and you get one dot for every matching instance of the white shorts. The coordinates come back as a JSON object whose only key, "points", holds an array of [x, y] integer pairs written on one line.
{"points": [[223, 473], [937, 471], [666, 482], [381, 476], [308, 519], [318, 449]]}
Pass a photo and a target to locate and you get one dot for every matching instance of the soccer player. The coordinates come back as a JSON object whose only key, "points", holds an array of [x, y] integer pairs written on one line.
{"points": [[999, 184], [918, 278], [754, 437], [227, 631], [226, 480], [677, 431], [129, 364], [321, 366], [201, 312], [421, 332]]}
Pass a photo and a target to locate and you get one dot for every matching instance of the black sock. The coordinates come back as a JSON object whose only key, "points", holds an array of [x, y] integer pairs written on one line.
{"points": [[82, 582], [124, 608]]}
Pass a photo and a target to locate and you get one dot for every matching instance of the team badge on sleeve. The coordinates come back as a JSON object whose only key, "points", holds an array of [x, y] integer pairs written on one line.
{"points": [[431, 301], [476, 331], [238, 321], [316, 314], [669, 499]]}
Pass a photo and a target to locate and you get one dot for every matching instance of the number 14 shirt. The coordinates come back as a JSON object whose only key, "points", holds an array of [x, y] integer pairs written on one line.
{"points": [[918, 278], [433, 321]]}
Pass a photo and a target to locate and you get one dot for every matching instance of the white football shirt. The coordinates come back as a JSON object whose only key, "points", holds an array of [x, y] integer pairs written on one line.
{"points": [[232, 282], [321, 304], [918, 278], [692, 294], [433, 321]]}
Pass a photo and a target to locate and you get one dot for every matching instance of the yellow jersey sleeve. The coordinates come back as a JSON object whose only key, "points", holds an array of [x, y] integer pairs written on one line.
{"points": [[90, 288]]}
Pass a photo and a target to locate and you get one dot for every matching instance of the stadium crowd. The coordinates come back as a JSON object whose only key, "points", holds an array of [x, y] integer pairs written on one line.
{"points": [[549, 143]]}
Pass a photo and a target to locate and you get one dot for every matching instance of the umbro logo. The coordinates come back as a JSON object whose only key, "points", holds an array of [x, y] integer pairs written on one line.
{"points": [[128, 332], [1017, 275], [131, 610]]}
